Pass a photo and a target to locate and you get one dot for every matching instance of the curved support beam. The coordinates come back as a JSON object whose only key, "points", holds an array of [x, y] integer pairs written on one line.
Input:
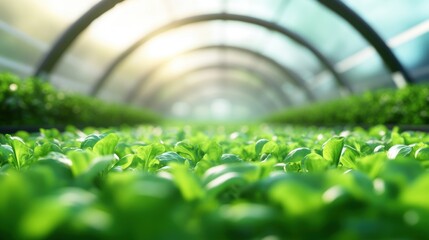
{"points": [[61, 45], [289, 74], [265, 79], [161, 103], [386, 54], [231, 94], [226, 17]]}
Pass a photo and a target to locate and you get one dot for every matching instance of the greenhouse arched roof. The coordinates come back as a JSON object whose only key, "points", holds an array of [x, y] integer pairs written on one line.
{"points": [[294, 51]]}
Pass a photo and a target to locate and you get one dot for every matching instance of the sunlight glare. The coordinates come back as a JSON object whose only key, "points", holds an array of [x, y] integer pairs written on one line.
{"points": [[220, 108], [168, 46], [180, 109], [69, 10]]}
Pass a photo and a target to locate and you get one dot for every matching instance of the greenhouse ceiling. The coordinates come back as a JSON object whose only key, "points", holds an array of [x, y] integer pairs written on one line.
{"points": [[235, 59]]}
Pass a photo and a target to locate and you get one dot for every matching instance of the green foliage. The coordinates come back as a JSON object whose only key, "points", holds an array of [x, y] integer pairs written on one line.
{"points": [[408, 105], [33, 102], [332, 150], [247, 182]]}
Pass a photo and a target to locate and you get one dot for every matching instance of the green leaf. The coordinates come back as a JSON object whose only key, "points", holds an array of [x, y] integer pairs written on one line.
{"points": [[213, 151], [42, 219], [98, 167], [230, 158], [398, 151], [46, 148], [189, 151], [313, 162], [270, 148], [332, 150], [169, 157], [188, 184], [247, 170], [297, 155], [59, 167], [125, 161], [106, 145], [348, 157], [21, 152], [417, 193], [372, 164], [59, 157], [223, 182], [401, 171], [379, 148], [122, 149], [259, 145], [90, 141], [148, 153], [296, 198], [249, 216], [422, 154], [80, 160], [293, 166], [6, 151], [396, 138]]}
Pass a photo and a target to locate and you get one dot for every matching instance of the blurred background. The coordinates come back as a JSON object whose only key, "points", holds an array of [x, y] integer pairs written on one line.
{"points": [[218, 59]]}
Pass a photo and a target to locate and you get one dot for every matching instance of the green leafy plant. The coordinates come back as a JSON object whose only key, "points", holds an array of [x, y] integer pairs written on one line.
{"points": [[33, 102], [246, 182], [389, 106]]}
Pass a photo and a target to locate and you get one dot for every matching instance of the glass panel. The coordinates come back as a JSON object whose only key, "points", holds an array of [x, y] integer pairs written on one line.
{"points": [[188, 8], [293, 55], [209, 58], [245, 34], [158, 50], [183, 64], [405, 27], [207, 34], [414, 56], [28, 28], [393, 17], [375, 76], [106, 37], [328, 33], [265, 9], [214, 78], [202, 102]]}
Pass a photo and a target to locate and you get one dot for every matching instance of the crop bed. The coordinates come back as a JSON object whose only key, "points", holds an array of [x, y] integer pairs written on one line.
{"points": [[404, 106], [31, 103], [218, 182]]}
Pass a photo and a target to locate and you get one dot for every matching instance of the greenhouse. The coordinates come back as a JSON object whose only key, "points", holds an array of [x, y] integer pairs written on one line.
{"points": [[221, 119]]}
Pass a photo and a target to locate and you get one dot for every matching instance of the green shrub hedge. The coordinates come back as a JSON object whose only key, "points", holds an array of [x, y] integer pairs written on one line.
{"points": [[35, 102], [409, 105]]}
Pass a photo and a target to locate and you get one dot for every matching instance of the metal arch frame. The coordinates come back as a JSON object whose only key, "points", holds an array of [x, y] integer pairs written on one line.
{"points": [[264, 79], [367, 32], [238, 95], [49, 61], [289, 74], [229, 81], [228, 17], [232, 83]]}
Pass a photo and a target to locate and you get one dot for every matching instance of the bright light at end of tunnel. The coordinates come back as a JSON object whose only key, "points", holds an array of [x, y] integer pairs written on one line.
{"points": [[167, 46], [180, 109], [220, 109]]}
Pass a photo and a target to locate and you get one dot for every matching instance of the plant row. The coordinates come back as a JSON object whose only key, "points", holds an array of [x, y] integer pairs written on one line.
{"points": [[248, 182], [32, 102], [408, 105]]}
